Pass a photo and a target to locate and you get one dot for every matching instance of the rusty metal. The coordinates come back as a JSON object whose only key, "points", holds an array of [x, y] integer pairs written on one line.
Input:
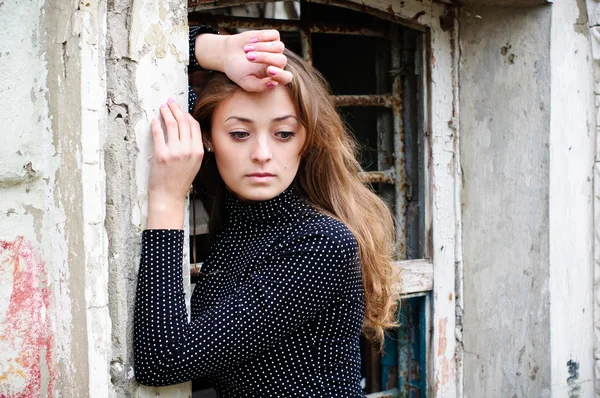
{"points": [[306, 40], [399, 156], [372, 177], [383, 100], [388, 15], [284, 25], [385, 139], [201, 5]]}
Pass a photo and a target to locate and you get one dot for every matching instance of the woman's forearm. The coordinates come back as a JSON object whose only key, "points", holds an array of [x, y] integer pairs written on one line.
{"points": [[209, 51]]}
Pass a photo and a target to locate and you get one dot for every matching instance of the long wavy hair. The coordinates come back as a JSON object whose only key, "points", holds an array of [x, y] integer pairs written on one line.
{"points": [[328, 179]]}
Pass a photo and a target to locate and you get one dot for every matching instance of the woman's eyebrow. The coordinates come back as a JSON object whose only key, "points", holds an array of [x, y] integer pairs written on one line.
{"points": [[280, 118], [241, 119], [250, 121]]}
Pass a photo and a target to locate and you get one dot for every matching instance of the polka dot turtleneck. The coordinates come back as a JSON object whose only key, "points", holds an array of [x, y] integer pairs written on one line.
{"points": [[277, 311]]}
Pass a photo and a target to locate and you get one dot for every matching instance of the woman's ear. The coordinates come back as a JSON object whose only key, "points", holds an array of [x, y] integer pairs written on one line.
{"points": [[207, 144]]}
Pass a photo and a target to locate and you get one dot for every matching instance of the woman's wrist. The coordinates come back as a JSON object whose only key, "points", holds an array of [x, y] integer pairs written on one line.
{"points": [[209, 51], [165, 214]]}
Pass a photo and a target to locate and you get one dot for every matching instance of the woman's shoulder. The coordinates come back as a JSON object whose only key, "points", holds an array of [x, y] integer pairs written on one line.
{"points": [[326, 224], [330, 232]]}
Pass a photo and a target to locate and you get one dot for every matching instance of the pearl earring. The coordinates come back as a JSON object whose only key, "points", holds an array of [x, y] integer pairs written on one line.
{"points": [[209, 150]]}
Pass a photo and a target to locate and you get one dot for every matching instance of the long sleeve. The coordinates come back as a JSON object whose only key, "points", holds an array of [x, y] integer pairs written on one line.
{"points": [[194, 65], [304, 275]]}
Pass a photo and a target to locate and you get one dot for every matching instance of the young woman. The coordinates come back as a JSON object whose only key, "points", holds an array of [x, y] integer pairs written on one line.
{"points": [[300, 260]]}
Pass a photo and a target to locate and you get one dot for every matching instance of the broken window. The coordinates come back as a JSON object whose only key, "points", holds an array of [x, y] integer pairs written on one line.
{"points": [[376, 70]]}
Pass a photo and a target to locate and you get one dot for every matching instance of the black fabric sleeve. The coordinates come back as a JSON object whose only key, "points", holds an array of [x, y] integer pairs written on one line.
{"points": [[194, 65], [304, 276], [195, 31]]}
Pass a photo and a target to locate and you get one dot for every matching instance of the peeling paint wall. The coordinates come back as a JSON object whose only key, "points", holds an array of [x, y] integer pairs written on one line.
{"points": [[30, 351], [146, 56], [54, 315], [505, 123], [81, 82]]}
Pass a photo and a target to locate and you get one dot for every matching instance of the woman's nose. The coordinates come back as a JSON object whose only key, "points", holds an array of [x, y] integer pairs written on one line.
{"points": [[261, 151]]}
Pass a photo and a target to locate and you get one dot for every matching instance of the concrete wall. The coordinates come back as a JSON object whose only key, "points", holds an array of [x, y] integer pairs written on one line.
{"points": [[526, 156], [505, 122]]}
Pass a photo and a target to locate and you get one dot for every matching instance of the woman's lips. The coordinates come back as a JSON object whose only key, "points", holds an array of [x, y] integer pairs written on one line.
{"points": [[260, 178]]}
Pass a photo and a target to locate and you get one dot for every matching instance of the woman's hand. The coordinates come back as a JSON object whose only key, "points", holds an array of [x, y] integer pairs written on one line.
{"points": [[175, 163], [253, 59]]}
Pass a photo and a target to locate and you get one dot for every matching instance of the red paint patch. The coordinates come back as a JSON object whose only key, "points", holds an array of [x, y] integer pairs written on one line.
{"points": [[25, 332], [442, 341]]}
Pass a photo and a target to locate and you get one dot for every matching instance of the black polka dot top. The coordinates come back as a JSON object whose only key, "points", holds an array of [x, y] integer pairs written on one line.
{"points": [[277, 312]]}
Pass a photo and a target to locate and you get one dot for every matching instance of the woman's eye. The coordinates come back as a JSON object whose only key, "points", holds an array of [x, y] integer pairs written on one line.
{"points": [[285, 135], [238, 135]]}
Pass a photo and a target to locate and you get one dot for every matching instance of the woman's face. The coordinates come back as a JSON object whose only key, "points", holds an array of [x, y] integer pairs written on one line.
{"points": [[257, 139]]}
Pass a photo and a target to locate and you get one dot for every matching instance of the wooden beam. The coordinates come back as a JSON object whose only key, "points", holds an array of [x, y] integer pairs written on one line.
{"points": [[415, 276], [503, 3]]}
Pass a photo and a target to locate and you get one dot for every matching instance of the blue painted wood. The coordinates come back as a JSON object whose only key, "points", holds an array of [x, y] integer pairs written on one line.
{"points": [[389, 361], [403, 347], [423, 346], [411, 347]]}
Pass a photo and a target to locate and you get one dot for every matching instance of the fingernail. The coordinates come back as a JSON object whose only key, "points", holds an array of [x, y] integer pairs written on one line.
{"points": [[249, 48], [251, 56], [170, 100], [272, 71], [271, 84], [163, 105], [254, 40]]}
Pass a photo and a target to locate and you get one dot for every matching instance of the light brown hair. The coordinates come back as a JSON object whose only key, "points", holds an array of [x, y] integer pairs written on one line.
{"points": [[328, 179]]}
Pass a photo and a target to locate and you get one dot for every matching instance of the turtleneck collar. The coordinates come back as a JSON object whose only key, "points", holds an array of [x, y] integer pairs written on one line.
{"points": [[285, 207]]}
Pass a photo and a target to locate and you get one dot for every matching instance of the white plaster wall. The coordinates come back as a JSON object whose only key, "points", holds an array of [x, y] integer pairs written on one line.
{"points": [[572, 141], [593, 8], [53, 257], [504, 122], [26, 203]]}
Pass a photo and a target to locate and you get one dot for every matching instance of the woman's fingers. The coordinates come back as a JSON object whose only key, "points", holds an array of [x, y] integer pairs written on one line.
{"points": [[267, 47], [256, 36], [183, 123], [170, 124], [158, 136], [279, 75], [278, 60], [196, 143]]}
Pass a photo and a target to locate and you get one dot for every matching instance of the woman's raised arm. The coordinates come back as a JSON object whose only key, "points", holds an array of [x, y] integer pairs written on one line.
{"points": [[253, 59]]}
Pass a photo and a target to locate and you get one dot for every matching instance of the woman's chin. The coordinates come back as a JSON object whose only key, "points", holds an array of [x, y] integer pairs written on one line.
{"points": [[257, 193]]}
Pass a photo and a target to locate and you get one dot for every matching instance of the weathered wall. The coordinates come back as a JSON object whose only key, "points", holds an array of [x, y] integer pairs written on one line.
{"points": [[572, 139], [146, 55], [53, 315], [527, 122], [28, 361], [505, 121], [593, 8], [63, 132]]}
